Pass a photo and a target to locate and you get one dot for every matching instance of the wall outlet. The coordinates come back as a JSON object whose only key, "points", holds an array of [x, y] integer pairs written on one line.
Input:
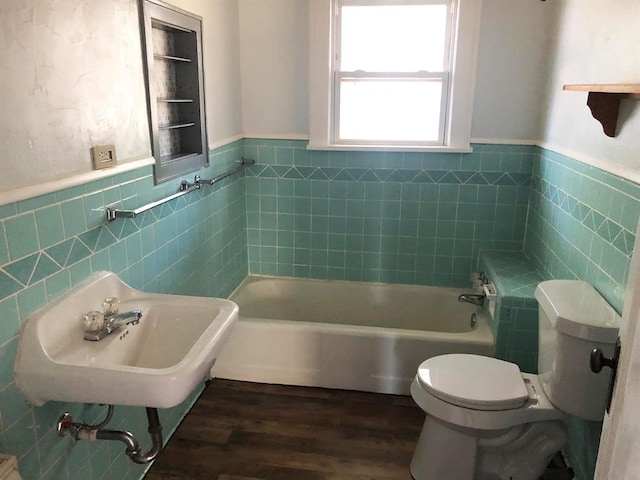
{"points": [[103, 156]]}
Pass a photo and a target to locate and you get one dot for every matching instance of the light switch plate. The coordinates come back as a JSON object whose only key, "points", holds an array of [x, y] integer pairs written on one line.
{"points": [[103, 156]]}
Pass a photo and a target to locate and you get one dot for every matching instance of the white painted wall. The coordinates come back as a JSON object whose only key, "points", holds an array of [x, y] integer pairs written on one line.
{"points": [[513, 58], [67, 82], [513, 54], [71, 76], [274, 61], [597, 42]]}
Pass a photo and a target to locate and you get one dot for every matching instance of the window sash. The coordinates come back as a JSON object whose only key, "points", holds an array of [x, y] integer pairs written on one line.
{"points": [[417, 30], [339, 75], [442, 77], [356, 3]]}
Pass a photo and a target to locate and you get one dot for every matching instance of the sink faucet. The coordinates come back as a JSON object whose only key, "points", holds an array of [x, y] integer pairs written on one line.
{"points": [[476, 299], [96, 330]]}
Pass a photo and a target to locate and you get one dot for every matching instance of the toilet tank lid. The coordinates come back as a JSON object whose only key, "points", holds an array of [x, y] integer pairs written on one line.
{"points": [[577, 309]]}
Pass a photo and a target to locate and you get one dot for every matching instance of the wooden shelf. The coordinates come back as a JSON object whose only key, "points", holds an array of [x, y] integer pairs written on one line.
{"points": [[629, 88], [604, 101]]}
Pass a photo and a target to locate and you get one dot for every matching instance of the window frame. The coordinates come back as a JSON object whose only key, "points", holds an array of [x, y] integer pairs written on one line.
{"points": [[323, 78]]}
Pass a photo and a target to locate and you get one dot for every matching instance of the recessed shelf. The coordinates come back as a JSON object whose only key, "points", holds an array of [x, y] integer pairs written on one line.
{"points": [[176, 125], [175, 89], [172, 157], [171, 58], [175, 100], [604, 101]]}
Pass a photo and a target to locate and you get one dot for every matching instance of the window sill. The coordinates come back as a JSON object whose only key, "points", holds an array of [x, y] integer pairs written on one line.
{"points": [[392, 148]]}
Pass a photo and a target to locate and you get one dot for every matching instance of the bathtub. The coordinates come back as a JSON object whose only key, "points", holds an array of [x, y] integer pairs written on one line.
{"points": [[349, 335]]}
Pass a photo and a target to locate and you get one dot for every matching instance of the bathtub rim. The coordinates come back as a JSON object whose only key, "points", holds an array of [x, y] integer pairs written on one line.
{"points": [[357, 282], [481, 334]]}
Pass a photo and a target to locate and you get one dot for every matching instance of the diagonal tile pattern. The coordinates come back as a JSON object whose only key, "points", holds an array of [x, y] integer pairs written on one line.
{"points": [[452, 177]]}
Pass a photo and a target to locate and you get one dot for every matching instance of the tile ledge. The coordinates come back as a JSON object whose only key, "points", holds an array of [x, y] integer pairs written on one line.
{"points": [[30, 191], [502, 277], [621, 171]]}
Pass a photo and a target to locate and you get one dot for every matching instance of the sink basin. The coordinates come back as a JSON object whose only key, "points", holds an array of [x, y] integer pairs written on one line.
{"points": [[156, 363]]}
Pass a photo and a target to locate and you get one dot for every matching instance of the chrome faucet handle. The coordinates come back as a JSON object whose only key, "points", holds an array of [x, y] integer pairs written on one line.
{"points": [[111, 306], [99, 326], [93, 321], [473, 298]]}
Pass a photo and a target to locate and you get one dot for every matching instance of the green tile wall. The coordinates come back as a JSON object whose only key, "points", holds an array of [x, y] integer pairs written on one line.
{"points": [[393, 217], [515, 324], [582, 224], [414, 218], [422, 218], [194, 245]]}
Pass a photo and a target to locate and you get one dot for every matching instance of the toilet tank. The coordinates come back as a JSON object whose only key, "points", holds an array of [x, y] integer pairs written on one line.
{"points": [[573, 320]]}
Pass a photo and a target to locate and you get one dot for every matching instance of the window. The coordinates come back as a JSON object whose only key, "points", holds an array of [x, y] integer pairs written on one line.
{"points": [[399, 74]]}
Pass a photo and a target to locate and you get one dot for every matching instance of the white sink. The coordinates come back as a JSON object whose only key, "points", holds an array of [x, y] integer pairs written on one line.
{"points": [[156, 363]]}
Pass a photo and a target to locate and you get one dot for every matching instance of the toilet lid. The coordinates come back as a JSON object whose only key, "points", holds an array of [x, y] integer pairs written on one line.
{"points": [[474, 381]]}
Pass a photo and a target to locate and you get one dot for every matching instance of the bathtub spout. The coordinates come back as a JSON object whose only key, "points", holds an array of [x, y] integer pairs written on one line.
{"points": [[475, 299]]}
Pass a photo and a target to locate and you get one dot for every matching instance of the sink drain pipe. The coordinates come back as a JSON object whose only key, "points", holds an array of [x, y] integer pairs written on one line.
{"points": [[83, 431]]}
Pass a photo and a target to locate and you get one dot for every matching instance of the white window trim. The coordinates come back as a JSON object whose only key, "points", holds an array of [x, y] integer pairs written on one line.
{"points": [[466, 26]]}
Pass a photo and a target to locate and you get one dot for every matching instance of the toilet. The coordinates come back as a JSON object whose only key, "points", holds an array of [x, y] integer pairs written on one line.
{"points": [[486, 420]]}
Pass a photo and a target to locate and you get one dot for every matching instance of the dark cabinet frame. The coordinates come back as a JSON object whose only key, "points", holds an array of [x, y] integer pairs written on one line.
{"points": [[172, 40]]}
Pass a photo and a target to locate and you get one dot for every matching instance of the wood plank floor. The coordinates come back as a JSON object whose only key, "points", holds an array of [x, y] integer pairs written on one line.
{"points": [[250, 431]]}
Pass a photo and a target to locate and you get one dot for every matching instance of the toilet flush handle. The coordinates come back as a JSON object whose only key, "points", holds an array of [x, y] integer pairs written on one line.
{"points": [[598, 361]]}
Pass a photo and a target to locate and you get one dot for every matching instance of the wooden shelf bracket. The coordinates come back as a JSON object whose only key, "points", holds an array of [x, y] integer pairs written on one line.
{"points": [[604, 102]]}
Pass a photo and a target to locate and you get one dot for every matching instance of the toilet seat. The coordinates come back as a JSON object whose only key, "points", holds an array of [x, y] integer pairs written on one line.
{"points": [[536, 408], [473, 381]]}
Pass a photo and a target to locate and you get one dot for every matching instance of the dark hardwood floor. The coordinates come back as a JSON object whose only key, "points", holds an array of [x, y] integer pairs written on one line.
{"points": [[252, 431]]}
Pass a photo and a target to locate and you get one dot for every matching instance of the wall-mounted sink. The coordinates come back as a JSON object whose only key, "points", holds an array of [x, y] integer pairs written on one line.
{"points": [[155, 363]]}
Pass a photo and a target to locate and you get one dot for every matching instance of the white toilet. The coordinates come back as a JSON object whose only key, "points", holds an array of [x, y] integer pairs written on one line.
{"points": [[486, 420]]}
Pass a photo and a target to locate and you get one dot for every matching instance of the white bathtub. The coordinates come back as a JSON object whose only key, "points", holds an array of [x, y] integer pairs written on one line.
{"points": [[350, 335]]}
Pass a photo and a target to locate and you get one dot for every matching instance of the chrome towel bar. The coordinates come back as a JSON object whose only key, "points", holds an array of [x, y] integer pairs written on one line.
{"points": [[244, 162], [113, 213], [185, 187]]}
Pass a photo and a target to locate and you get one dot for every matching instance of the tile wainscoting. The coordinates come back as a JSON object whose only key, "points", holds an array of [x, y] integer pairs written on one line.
{"points": [[195, 245], [415, 218]]}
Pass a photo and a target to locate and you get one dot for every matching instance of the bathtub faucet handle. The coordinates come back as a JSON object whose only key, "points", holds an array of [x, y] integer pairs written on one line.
{"points": [[473, 298]]}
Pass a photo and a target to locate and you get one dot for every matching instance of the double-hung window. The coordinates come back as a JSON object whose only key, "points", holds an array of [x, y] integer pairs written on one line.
{"points": [[392, 73]]}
